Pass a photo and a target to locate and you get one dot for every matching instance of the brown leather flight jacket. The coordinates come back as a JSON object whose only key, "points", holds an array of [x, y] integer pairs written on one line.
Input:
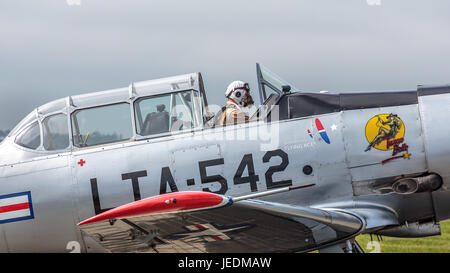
{"points": [[232, 115]]}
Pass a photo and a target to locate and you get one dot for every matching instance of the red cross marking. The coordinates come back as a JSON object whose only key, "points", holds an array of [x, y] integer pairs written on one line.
{"points": [[81, 162]]}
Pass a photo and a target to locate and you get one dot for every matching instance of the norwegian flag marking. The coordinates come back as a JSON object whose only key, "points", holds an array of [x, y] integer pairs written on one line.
{"points": [[16, 207]]}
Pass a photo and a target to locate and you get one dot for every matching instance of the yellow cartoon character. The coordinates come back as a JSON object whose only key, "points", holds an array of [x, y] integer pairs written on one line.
{"points": [[382, 128]]}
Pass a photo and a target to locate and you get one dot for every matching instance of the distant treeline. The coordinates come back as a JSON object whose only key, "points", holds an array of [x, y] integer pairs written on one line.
{"points": [[94, 138]]}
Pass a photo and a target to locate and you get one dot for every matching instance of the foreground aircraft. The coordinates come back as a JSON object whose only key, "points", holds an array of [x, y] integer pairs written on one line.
{"points": [[145, 169]]}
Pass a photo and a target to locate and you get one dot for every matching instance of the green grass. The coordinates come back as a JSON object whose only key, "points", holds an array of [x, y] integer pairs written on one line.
{"points": [[434, 244]]}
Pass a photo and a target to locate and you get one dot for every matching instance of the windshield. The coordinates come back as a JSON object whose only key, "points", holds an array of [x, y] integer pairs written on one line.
{"points": [[270, 83], [27, 120]]}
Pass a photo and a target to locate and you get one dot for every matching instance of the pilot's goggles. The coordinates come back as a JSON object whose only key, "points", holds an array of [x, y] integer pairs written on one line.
{"points": [[246, 87]]}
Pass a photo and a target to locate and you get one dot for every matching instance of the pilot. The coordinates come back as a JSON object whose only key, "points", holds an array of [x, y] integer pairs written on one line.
{"points": [[238, 94]]}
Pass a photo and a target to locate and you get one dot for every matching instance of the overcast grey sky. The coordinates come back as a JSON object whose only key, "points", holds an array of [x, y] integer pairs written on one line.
{"points": [[50, 49]]}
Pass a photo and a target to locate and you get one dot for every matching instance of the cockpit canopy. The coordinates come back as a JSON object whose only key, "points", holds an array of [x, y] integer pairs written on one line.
{"points": [[144, 109]]}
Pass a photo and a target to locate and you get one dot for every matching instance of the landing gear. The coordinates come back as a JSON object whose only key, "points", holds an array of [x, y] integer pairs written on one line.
{"points": [[143, 233], [349, 246]]}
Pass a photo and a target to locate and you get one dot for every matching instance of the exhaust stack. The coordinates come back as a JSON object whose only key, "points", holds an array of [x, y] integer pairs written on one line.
{"points": [[411, 185]]}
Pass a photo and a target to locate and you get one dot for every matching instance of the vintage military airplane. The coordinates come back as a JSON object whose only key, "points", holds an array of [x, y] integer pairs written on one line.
{"points": [[145, 168]]}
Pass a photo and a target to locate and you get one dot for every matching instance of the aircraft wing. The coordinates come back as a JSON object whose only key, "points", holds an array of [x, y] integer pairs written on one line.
{"points": [[239, 226]]}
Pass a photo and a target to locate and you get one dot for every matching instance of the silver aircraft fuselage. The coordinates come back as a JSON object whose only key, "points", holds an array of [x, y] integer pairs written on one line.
{"points": [[43, 195]]}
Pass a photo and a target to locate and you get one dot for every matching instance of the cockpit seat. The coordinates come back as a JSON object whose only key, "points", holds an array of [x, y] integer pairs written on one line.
{"points": [[156, 122]]}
